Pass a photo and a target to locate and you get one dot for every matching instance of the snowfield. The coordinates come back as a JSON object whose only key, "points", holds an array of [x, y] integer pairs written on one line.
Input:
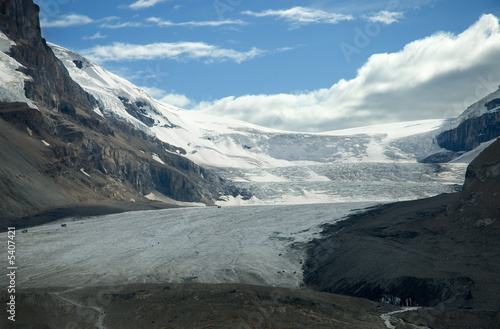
{"points": [[210, 245]]}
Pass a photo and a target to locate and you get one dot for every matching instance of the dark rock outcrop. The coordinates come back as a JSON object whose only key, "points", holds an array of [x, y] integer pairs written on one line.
{"points": [[478, 204], [470, 133]]}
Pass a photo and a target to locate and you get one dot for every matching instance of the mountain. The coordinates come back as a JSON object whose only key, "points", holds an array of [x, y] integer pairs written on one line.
{"points": [[57, 150], [84, 136], [278, 167], [222, 142]]}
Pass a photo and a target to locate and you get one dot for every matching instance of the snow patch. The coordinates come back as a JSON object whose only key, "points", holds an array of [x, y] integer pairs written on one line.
{"points": [[157, 158], [266, 177], [388, 318], [157, 196], [83, 172], [98, 111], [5, 42], [11, 80], [467, 158], [374, 153], [314, 177], [231, 201]]}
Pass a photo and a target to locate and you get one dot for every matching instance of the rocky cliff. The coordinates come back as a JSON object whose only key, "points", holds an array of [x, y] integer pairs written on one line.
{"points": [[479, 123], [64, 153], [470, 133], [478, 205], [50, 85]]}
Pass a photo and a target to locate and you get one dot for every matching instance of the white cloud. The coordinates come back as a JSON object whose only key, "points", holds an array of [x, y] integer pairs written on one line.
{"points": [[163, 23], [302, 15], [385, 17], [178, 100], [121, 25], [435, 77], [67, 20], [96, 36], [141, 4], [179, 51], [154, 92]]}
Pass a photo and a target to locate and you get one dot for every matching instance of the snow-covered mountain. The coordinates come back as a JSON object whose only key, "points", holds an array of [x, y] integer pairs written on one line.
{"points": [[223, 142], [280, 166]]}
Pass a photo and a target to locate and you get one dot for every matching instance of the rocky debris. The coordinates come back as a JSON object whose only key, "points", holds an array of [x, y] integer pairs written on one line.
{"points": [[439, 252], [194, 306], [441, 157]]}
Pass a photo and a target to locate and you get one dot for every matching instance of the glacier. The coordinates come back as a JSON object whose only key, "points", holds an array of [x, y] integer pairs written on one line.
{"points": [[256, 244]]}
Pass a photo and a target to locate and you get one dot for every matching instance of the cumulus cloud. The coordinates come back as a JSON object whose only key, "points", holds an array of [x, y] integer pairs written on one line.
{"points": [[435, 77], [67, 20], [163, 23], [175, 99], [141, 4], [385, 17], [302, 16], [178, 100], [178, 50]]}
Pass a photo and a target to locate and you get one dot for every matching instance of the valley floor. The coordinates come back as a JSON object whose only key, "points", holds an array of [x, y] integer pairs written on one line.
{"points": [[241, 267], [196, 306]]}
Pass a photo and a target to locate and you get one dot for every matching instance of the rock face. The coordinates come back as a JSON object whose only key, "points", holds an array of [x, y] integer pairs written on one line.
{"points": [[51, 86], [478, 205], [64, 153], [470, 133], [439, 252]]}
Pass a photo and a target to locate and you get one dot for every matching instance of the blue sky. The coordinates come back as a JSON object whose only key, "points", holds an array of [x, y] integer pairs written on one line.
{"points": [[296, 65]]}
